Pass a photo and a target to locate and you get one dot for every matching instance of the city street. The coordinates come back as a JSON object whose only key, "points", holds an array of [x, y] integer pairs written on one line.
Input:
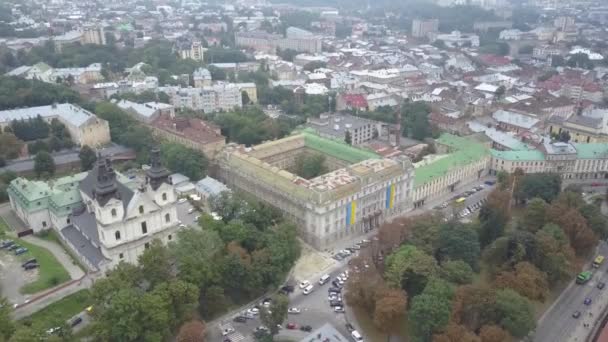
{"points": [[557, 324]]}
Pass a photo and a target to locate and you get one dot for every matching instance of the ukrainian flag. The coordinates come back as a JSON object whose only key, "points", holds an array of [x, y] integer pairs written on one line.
{"points": [[353, 212]]}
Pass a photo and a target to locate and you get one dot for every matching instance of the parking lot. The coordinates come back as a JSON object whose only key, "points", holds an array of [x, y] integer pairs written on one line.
{"points": [[184, 215], [311, 311], [13, 277], [467, 203]]}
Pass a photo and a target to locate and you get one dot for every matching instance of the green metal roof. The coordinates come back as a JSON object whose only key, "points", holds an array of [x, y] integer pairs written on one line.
{"points": [[62, 202], [31, 195], [68, 182], [463, 152], [591, 150], [529, 155], [337, 149]]}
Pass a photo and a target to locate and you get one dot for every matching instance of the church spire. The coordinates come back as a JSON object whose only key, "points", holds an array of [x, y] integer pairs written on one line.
{"points": [[157, 174], [105, 187]]}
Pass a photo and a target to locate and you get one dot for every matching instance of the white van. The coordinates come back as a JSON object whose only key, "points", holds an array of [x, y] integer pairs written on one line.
{"points": [[308, 289], [324, 279], [356, 336]]}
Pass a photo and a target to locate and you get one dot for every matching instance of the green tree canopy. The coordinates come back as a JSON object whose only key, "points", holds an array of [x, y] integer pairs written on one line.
{"points": [[44, 164], [459, 242], [87, 158]]}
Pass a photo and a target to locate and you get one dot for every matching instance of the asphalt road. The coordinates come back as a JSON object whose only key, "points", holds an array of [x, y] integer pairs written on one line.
{"points": [[557, 324], [60, 158]]}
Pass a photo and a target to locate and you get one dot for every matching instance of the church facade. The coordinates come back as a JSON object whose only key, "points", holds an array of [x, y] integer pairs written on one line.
{"points": [[112, 219]]}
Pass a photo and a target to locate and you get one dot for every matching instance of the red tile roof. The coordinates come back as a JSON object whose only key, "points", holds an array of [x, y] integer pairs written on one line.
{"points": [[190, 128], [355, 100]]}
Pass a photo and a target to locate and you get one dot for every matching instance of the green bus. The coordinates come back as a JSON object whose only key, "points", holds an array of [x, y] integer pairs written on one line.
{"points": [[584, 277]]}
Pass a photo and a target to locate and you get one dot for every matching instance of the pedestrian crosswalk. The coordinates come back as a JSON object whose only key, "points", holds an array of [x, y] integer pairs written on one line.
{"points": [[237, 337]]}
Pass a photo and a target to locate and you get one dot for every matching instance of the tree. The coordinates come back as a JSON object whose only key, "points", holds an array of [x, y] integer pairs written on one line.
{"points": [[555, 256], [456, 333], [459, 242], [361, 290], [190, 162], [409, 268], [503, 179], [195, 252], [534, 216], [425, 233], [155, 263], [581, 237], [595, 220], [390, 309], [87, 158], [493, 333], [474, 306], [312, 66], [500, 92], [245, 98], [516, 312], [493, 216], [526, 279], [415, 120], [192, 331], [457, 271], [557, 61], [348, 138], [7, 326], [580, 60], [44, 164], [275, 314], [10, 146], [430, 311], [310, 166], [545, 186]]}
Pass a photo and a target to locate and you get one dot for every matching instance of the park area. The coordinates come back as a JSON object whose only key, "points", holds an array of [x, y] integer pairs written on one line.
{"points": [[58, 313]]}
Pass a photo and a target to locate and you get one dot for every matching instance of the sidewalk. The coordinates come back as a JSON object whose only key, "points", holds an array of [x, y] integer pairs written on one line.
{"points": [[59, 253]]}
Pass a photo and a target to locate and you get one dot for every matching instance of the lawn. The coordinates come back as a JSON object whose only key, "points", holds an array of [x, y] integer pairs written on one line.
{"points": [[60, 311], [51, 236], [50, 273]]}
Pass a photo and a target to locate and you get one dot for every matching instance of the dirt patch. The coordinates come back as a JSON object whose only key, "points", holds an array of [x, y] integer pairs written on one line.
{"points": [[13, 277], [311, 263]]}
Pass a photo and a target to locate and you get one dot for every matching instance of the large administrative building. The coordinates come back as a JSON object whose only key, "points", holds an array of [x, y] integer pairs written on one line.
{"points": [[360, 191]]}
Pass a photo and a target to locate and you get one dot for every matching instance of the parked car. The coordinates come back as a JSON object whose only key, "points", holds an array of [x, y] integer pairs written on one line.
{"points": [[306, 328], [601, 285], [240, 319], [7, 243], [13, 247], [181, 200], [587, 301], [286, 289], [576, 314], [339, 309], [30, 261], [76, 321], [51, 331], [304, 284], [20, 251], [335, 303], [227, 331], [334, 289], [291, 326], [293, 311], [31, 266], [349, 327]]}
